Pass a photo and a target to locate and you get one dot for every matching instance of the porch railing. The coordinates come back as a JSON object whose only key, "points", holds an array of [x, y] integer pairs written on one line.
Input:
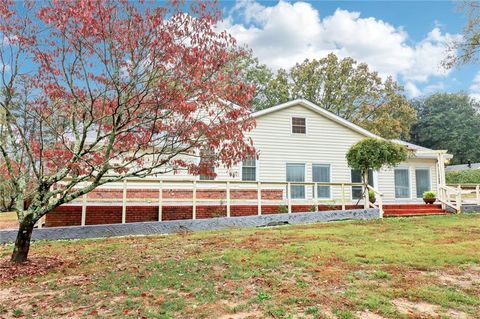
{"points": [[193, 187], [379, 200], [451, 197], [470, 192]]}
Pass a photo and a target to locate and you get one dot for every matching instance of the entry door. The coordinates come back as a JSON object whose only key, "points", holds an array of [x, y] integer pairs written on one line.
{"points": [[423, 181], [402, 183]]}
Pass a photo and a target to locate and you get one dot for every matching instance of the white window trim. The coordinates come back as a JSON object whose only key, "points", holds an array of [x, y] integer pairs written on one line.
{"points": [[430, 184], [330, 174], [305, 179], [291, 126], [410, 182], [257, 165]]}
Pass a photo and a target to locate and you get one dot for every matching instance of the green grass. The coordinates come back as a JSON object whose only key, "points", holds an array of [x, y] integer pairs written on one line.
{"points": [[333, 270]]}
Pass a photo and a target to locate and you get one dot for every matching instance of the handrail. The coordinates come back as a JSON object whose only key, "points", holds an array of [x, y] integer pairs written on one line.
{"points": [[445, 197], [467, 189]]}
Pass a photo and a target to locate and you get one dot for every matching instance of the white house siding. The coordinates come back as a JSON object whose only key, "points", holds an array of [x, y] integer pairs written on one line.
{"points": [[326, 142], [386, 179]]}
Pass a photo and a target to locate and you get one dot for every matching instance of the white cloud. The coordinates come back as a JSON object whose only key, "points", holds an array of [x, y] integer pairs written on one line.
{"points": [[475, 87], [286, 33], [412, 90]]}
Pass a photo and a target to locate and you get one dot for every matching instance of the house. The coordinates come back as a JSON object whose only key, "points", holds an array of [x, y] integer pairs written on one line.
{"points": [[462, 167], [299, 144], [299, 141]]}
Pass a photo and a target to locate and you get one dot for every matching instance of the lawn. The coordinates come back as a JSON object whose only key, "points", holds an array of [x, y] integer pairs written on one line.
{"points": [[8, 220], [425, 267]]}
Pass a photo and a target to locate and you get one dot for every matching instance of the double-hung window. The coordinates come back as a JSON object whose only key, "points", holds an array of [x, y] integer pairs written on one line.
{"points": [[321, 173], [299, 125], [296, 173], [249, 169], [206, 158]]}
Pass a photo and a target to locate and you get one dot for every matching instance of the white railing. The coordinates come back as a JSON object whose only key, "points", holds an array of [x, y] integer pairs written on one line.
{"points": [[379, 200], [193, 187], [451, 197], [470, 192]]}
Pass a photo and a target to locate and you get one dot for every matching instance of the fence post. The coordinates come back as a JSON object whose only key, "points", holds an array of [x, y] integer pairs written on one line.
{"points": [[289, 193], [160, 199], [458, 198], [194, 201], [84, 209], [315, 196], [343, 196], [124, 202], [380, 205], [259, 198], [228, 199], [477, 191]]}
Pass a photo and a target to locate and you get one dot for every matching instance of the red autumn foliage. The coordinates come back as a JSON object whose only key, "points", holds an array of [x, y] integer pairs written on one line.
{"points": [[100, 91]]}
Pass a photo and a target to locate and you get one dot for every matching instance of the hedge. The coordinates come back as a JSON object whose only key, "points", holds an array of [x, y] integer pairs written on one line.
{"points": [[468, 176]]}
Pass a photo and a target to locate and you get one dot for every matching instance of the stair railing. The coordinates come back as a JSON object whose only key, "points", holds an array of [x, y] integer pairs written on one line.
{"points": [[445, 197], [379, 200]]}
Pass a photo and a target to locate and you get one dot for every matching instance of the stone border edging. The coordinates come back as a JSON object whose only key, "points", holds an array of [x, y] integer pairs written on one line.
{"points": [[470, 208], [168, 227]]}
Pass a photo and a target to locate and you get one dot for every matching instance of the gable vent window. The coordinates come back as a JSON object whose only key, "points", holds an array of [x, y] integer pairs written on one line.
{"points": [[299, 125]]}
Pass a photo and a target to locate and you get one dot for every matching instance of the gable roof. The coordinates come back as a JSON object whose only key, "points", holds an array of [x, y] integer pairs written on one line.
{"points": [[335, 118], [315, 108]]}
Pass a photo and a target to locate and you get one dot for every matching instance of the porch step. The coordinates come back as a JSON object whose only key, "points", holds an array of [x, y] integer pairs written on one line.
{"points": [[414, 206], [404, 210]]}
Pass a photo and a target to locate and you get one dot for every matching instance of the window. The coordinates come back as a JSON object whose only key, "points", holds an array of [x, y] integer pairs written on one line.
{"points": [[249, 169], [206, 159], [356, 177], [402, 183], [299, 125], [422, 179], [321, 173], [296, 173]]}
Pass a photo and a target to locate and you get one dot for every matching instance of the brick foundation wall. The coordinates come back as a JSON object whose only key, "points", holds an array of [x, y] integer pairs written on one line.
{"points": [[102, 214], [152, 194]]}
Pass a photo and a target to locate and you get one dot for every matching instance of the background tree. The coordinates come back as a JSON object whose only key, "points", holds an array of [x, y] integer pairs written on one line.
{"points": [[98, 91], [341, 86], [465, 49], [449, 121], [375, 154]]}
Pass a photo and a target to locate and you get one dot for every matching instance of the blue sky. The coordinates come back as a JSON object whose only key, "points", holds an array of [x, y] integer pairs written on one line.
{"points": [[404, 39]]}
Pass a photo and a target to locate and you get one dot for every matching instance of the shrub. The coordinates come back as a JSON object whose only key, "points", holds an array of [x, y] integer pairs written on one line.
{"points": [[282, 209], [371, 196], [429, 194], [468, 176]]}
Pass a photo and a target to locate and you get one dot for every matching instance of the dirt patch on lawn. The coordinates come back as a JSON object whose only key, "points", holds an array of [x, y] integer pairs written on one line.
{"points": [[415, 308], [33, 266], [368, 315], [467, 279]]}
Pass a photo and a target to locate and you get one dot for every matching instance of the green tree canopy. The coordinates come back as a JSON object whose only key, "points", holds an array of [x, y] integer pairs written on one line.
{"points": [[342, 86], [449, 121], [374, 153]]}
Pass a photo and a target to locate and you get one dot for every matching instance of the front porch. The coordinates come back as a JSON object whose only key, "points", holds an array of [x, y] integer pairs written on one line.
{"points": [[142, 200]]}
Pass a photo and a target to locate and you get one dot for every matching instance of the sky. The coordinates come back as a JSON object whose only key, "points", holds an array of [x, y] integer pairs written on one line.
{"points": [[402, 39]]}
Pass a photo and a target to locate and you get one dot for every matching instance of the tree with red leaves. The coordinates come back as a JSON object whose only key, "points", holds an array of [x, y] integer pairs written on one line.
{"points": [[98, 91]]}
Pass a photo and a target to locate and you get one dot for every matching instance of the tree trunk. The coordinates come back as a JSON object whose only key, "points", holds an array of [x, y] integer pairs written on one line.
{"points": [[22, 243]]}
